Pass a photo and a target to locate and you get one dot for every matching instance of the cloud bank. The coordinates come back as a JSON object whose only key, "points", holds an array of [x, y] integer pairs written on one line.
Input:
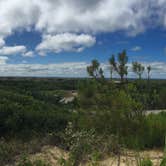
{"points": [[70, 69]]}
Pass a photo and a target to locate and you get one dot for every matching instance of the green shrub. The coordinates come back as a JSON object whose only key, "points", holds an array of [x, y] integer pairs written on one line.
{"points": [[146, 162], [6, 152], [80, 143], [27, 162], [163, 162]]}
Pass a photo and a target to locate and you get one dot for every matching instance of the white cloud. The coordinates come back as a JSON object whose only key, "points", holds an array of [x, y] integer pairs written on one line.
{"points": [[73, 69], [3, 60], [55, 18], [70, 69], [2, 42], [65, 42], [61, 16], [16, 15], [28, 54], [12, 50], [136, 48]]}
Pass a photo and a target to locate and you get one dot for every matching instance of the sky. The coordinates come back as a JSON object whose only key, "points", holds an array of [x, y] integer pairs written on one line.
{"points": [[59, 38]]}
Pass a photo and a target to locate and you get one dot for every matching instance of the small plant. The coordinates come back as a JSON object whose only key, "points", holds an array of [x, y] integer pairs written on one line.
{"points": [[95, 157], [64, 162], [142, 161], [146, 162], [81, 144], [6, 151], [163, 162], [25, 161]]}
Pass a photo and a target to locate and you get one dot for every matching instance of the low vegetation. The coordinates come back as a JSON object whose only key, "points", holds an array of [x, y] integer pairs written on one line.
{"points": [[104, 118]]}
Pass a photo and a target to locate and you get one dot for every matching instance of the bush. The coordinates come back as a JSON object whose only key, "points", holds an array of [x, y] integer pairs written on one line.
{"points": [[27, 162], [146, 162], [80, 144], [6, 152]]}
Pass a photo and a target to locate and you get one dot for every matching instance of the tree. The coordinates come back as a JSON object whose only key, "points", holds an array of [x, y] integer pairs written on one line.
{"points": [[138, 68], [94, 70], [149, 70], [120, 67], [101, 73], [112, 64]]}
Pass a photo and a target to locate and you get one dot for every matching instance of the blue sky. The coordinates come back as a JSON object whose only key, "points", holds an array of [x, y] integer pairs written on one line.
{"points": [[148, 46], [60, 38]]}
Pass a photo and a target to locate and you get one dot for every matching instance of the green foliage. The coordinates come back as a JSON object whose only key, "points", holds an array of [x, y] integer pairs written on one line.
{"points": [[113, 113], [94, 70], [146, 162], [30, 109], [12, 148], [120, 67], [27, 162], [23, 114], [161, 98], [80, 143], [143, 161], [6, 152], [118, 110], [163, 162], [138, 69]]}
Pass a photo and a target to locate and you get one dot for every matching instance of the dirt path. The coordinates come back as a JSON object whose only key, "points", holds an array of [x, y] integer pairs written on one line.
{"points": [[155, 111]]}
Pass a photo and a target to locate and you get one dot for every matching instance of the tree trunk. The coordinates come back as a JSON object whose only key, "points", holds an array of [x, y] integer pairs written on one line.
{"points": [[122, 78]]}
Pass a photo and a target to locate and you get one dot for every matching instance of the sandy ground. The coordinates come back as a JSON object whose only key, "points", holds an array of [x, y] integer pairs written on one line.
{"points": [[131, 158], [50, 155], [53, 154], [155, 111]]}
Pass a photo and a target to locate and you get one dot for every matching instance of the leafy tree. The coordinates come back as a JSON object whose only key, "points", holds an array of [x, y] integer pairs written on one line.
{"points": [[94, 70], [120, 67], [138, 68]]}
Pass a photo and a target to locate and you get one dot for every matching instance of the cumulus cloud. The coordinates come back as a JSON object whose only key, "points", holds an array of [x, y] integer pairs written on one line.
{"points": [[67, 19], [61, 16], [16, 15], [65, 42], [136, 48], [12, 50]]}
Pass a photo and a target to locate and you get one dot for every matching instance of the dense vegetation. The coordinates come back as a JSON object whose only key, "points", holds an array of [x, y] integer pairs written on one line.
{"points": [[105, 117]]}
